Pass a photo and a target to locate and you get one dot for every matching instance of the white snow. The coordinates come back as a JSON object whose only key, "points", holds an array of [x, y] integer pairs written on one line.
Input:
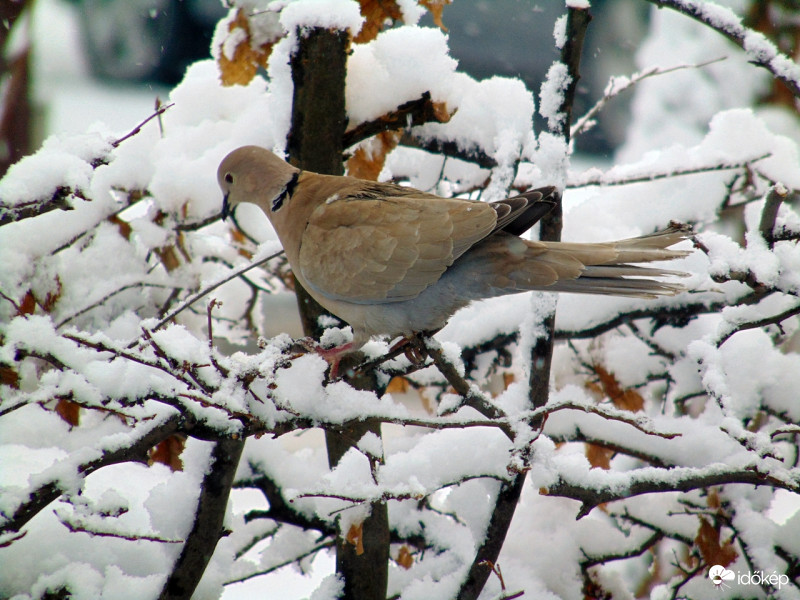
{"points": [[83, 291]]}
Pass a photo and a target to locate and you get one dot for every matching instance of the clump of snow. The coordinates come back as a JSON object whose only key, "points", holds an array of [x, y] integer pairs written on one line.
{"points": [[62, 163], [715, 399], [327, 14], [330, 588], [390, 62]]}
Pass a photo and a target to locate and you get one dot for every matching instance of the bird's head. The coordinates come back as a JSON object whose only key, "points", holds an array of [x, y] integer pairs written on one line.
{"points": [[254, 174]]}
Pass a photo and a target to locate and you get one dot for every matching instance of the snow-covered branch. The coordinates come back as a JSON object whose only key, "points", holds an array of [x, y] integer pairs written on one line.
{"points": [[760, 51]]}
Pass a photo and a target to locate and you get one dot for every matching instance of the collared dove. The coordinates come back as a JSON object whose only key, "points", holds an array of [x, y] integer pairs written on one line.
{"points": [[392, 260]]}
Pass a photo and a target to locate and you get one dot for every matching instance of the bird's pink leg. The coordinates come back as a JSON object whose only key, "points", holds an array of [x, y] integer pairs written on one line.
{"points": [[334, 356]]}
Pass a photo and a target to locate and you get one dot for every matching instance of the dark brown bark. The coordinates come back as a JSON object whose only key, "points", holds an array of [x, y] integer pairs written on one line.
{"points": [[207, 528], [315, 143], [15, 111]]}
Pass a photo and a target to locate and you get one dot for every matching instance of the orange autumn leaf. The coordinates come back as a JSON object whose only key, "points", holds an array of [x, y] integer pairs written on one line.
{"points": [[69, 411], [241, 241], [368, 160], [376, 13], [168, 452], [508, 379], [404, 557], [435, 7], [598, 456], [242, 66], [441, 113], [624, 399], [398, 385], [355, 536]]}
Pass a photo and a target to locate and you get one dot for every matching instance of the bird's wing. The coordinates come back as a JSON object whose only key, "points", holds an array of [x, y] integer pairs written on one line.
{"points": [[371, 248], [518, 214]]}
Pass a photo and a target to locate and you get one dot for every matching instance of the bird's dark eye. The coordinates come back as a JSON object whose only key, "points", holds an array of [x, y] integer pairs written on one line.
{"points": [[228, 178]]}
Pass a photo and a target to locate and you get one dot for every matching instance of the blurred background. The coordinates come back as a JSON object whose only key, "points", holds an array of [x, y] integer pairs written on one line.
{"points": [[68, 65]]}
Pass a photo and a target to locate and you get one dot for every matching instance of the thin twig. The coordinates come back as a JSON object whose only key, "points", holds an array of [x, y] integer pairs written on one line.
{"points": [[598, 177], [159, 111], [285, 563], [107, 297], [207, 290], [617, 85], [471, 394], [76, 527], [756, 323]]}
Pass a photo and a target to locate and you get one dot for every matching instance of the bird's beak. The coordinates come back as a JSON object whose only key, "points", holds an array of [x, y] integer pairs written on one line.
{"points": [[225, 207]]}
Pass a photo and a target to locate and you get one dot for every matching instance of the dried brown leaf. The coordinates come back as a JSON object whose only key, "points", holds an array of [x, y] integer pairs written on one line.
{"points": [[624, 399], [241, 241], [435, 7], [28, 304], [508, 379], [69, 411], [168, 452], [713, 551], [243, 66], [355, 536], [598, 456], [376, 14], [124, 227], [52, 297], [169, 257], [9, 376], [404, 557], [368, 159]]}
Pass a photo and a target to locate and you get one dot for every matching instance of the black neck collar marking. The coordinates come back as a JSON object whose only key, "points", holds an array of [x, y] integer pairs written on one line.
{"points": [[286, 192]]}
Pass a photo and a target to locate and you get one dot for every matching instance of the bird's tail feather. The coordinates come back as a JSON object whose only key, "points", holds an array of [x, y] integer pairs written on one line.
{"points": [[607, 267]]}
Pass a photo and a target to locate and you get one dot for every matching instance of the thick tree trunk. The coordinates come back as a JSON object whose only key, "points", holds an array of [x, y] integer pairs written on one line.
{"points": [[15, 108], [315, 143]]}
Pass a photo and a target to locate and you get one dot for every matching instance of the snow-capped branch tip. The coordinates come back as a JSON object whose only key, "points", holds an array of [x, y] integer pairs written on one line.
{"points": [[409, 114], [593, 495], [578, 19], [772, 203], [595, 176], [758, 48], [160, 110]]}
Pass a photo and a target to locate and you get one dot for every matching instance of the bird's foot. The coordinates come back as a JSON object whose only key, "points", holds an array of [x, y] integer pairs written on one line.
{"points": [[414, 352], [332, 355]]}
